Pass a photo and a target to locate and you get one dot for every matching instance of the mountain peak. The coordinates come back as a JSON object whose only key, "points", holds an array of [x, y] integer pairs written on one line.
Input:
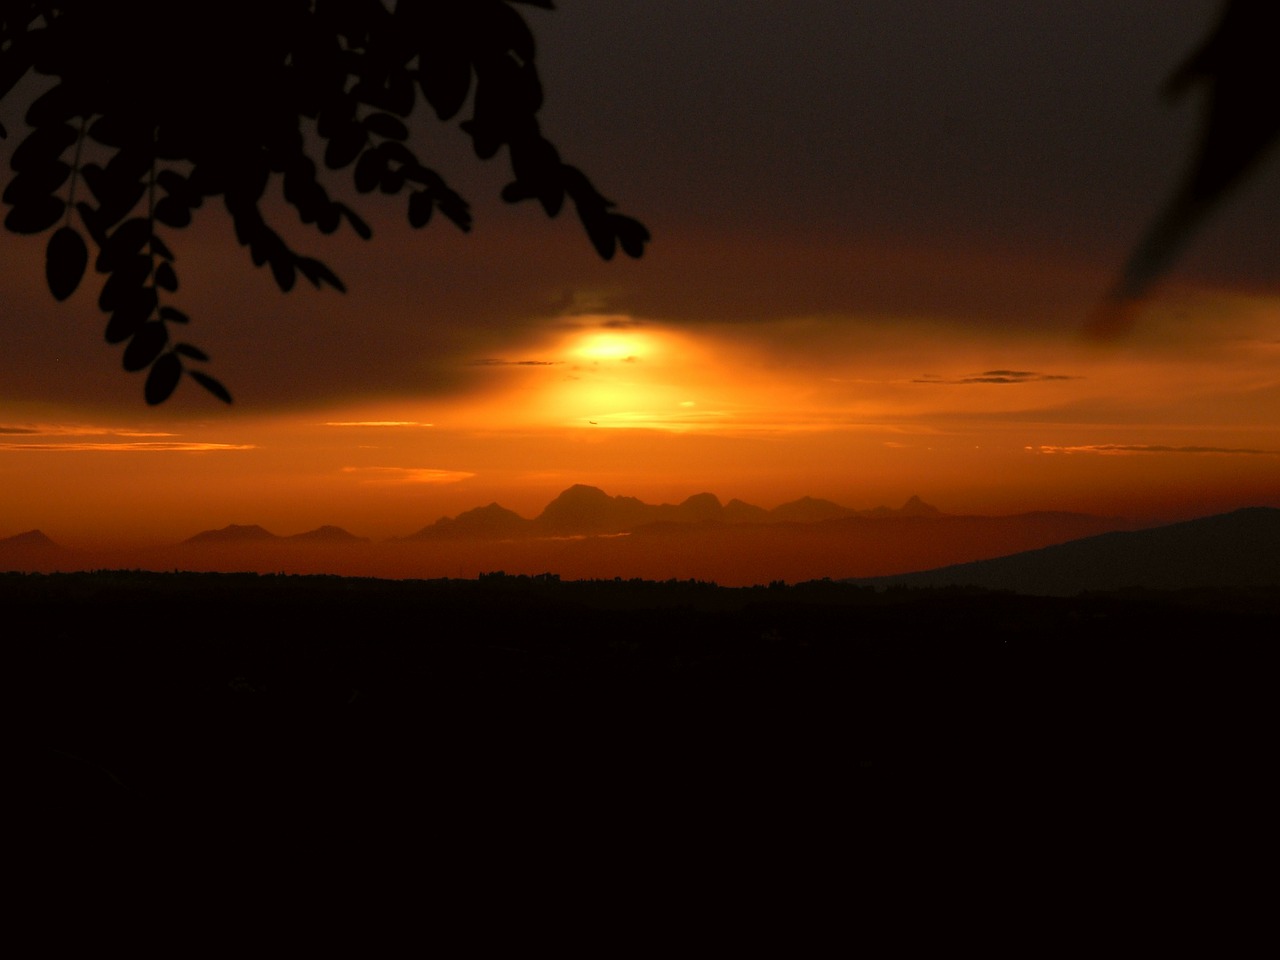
{"points": [[915, 507], [32, 538], [585, 509], [492, 522], [327, 534], [233, 533]]}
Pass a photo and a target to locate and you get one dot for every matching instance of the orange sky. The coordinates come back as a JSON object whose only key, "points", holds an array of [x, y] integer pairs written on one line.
{"points": [[821, 312]]}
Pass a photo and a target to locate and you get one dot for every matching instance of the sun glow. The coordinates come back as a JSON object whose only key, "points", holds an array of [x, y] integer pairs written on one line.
{"points": [[597, 347]]}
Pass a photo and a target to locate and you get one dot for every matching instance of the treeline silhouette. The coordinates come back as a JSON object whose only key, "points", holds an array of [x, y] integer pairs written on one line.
{"points": [[240, 689], [455, 738]]}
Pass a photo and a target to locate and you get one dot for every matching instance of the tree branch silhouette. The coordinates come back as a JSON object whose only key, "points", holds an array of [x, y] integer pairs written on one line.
{"points": [[1238, 65], [182, 103]]}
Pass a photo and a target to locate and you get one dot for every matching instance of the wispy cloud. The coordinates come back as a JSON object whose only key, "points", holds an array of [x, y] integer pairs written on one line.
{"points": [[1128, 449], [998, 376], [402, 475], [377, 423], [74, 430], [496, 362], [176, 446], [91, 438]]}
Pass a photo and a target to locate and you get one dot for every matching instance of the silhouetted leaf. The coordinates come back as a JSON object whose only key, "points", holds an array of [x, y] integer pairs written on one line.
{"points": [[37, 180], [116, 195], [210, 384], [53, 106], [420, 207], [327, 218], [283, 271], [93, 222], [166, 278], [444, 75], [632, 234], [345, 146], [187, 350], [385, 125], [369, 170], [129, 276], [66, 257], [358, 225], [161, 249], [124, 241], [42, 146], [336, 115], [117, 131], [35, 214], [173, 315], [163, 378], [517, 191], [172, 213], [131, 314], [145, 345], [318, 273]]}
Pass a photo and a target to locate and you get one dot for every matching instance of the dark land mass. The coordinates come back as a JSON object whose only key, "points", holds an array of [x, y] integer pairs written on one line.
{"points": [[1235, 549], [505, 718]]}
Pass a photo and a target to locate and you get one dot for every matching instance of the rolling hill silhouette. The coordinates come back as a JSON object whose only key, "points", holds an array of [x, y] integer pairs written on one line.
{"points": [[1237, 549], [239, 534]]}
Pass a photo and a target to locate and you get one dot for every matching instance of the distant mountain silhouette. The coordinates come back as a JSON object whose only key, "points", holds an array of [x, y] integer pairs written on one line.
{"points": [[34, 551], [584, 510], [253, 534], [809, 510], [482, 523], [914, 507], [326, 534], [735, 511], [1238, 549], [233, 533], [32, 539]]}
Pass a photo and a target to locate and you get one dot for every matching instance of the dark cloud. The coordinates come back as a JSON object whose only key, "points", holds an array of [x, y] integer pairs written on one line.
{"points": [[495, 362], [1001, 376], [1131, 448]]}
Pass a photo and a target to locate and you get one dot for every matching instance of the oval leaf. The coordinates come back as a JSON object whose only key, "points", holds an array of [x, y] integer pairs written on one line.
{"points": [[145, 345], [163, 378], [386, 125], [43, 146], [187, 350], [210, 384], [35, 214], [65, 260], [166, 278], [420, 207]]}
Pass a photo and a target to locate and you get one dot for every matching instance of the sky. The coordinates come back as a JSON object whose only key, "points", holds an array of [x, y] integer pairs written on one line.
{"points": [[879, 231]]}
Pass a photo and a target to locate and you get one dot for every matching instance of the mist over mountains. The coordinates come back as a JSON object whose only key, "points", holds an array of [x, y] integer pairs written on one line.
{"points": [[586, 533], [584, 510]]}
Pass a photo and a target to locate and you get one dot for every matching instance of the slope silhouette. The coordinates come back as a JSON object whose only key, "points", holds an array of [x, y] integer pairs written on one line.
{"points": [[1237, 549]]}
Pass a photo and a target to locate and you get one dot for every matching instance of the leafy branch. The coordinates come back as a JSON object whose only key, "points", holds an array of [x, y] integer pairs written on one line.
{"points": [[179, 103]]}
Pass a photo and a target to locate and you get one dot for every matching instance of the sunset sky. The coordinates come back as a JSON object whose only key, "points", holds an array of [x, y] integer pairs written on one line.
{"points": [[879, 229]]}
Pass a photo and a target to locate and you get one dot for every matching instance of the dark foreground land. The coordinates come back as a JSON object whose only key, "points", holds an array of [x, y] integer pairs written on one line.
{"points": [[473, 717]]}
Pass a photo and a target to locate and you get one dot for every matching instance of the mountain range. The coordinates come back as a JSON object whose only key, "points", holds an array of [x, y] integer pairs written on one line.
{"points": [[583, 510], [584, 533]]}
